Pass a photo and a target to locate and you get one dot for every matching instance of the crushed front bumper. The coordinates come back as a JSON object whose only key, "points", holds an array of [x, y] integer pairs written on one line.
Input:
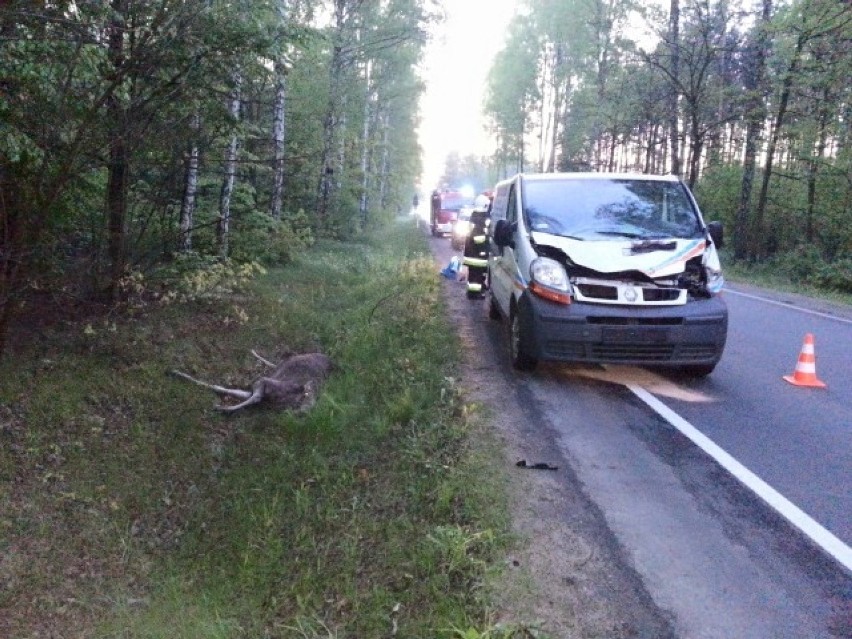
{"points": [[689, 334]]}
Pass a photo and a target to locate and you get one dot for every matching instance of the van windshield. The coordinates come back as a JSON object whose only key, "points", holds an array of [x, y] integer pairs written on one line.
{"points": [[600, 209]]}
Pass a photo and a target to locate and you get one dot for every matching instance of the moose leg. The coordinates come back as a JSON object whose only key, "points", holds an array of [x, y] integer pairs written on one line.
{"points": [[253, 399], [282, 393], [258, 391], [232, 392]]}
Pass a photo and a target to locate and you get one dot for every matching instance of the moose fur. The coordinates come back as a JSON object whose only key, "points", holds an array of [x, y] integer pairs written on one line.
{"points": [[292, 384]]}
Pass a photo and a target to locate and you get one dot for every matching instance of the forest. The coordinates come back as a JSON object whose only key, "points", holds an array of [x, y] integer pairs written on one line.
{"points": [[147, 147], [144, 141], [749, 101], [184, 183]]}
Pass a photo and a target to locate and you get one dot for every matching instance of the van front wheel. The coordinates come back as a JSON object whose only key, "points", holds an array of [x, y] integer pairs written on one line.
{"points": [[521, 360], [697, 371], [493, 309]]}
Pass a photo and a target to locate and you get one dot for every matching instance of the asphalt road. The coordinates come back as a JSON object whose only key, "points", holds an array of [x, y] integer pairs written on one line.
{"points": [[798, 440], [696, 527]]}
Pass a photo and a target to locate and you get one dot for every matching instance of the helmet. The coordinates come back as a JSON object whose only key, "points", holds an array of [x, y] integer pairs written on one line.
{"points": [[481, 203]]}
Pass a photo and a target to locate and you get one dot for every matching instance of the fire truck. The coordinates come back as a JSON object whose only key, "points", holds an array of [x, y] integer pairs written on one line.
{"points": [[445, 210]]}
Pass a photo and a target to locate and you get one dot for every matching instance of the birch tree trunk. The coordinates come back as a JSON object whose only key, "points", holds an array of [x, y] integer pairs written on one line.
{"points": [[342, 124], [544, 113], [223, 230], [552, 82], [331, 129], [384, 171], [278, 139], [562, 88], [190, 189], [365, 147]]}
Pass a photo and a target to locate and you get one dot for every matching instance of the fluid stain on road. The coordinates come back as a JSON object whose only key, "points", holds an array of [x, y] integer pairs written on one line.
{"points": [[631, 376]]}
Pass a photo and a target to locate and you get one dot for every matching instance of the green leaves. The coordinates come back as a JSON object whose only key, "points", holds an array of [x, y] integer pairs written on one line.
{"points": [[747, 89]]}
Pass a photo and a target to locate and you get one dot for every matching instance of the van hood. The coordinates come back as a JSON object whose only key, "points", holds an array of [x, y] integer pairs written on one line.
{"points": [[655, 258]]}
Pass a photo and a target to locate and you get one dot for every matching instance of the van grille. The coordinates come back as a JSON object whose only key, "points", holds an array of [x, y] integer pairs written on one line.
{"points": [[598, 291], [607, 292], [622, 352], [581, 351], [635, 321], [698, 351], [660, 294], [604, 292]]}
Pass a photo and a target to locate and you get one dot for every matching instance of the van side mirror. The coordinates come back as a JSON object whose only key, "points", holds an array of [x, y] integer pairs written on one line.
{"points": [[717, 233], [503, 232]]}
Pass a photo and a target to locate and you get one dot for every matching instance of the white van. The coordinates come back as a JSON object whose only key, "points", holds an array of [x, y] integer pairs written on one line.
{"points": [[606, 268]]}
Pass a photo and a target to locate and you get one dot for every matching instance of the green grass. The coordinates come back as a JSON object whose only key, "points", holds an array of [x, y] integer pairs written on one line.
{"points": [[771, 277], [130, 508]]}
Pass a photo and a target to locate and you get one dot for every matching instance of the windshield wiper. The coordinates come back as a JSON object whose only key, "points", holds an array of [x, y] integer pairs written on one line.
{"points": [[555, 234], [633, 236], [649, 246]]}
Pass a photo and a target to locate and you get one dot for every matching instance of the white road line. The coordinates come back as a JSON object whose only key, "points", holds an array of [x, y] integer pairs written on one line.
{"points": [[790, 306], [787, 509]]}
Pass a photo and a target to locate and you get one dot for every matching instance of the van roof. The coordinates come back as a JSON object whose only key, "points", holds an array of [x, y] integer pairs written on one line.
{"points": [[592, 176]]}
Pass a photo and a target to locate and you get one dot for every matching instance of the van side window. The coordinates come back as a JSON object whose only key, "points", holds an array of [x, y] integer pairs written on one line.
{"points": [[512, 208], [498, 209]]}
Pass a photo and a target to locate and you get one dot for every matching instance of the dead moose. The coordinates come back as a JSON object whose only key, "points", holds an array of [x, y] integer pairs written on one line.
{"points": [[292, 384]]}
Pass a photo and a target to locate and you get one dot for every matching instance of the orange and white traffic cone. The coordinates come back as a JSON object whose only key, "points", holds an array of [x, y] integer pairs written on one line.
{"points": [[805, 373]]}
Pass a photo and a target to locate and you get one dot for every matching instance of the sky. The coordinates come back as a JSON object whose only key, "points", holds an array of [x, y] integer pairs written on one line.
{"points": [[455, 68]]}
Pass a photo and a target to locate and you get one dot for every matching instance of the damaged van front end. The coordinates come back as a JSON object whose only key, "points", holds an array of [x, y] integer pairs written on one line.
{"points": [[607, 269]]}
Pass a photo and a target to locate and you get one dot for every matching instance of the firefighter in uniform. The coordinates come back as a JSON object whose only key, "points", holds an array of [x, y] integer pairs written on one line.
{"points": [[476, 248]]}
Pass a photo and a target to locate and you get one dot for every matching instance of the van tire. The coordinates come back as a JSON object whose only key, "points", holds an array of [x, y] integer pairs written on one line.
{"points": [[493, 309], [521, 360], [697, 371]]}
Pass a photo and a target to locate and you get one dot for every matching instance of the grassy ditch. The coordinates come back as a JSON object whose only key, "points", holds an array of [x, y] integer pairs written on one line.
{"points": [[773, 276], [130, 508]]}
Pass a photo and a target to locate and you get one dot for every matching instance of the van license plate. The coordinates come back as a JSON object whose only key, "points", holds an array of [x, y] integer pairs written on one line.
{"points": [[634, 335]]}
